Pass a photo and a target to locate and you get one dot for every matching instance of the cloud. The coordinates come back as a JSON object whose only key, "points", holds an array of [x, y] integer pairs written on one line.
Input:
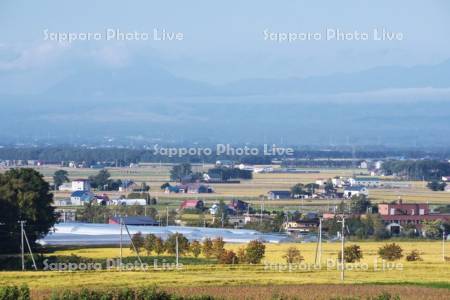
{"points": [[39, 55], [112, 56]]}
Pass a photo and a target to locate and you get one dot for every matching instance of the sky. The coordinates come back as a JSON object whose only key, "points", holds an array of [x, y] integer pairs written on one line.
{"points": [[225, 66], [225, 41]]}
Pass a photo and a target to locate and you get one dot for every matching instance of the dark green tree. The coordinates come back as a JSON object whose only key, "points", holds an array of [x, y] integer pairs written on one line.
{"points": [[59, 177], [298, 189], [180, 171], [100, 180], [359, 204], [436, 185], [24, 195]]}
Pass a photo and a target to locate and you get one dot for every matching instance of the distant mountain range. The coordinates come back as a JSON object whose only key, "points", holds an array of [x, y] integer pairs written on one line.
{"points": [[150, 103]]}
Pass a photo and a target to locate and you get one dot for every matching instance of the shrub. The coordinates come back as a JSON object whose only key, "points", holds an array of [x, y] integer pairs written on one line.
{"points": [[9, 293], [149, 243], [218, 247], [414, 255], [159, 246], [15, 293], [228, 257], [183, 243], [293, 256], [254, 252], [352, 253], [138, 240], [390, 252], [121, 294], [195, 248], [207, 248], [241, 256]]}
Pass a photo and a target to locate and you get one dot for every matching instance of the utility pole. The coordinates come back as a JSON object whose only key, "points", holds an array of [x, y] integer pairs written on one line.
{"points": [[320, 241], [121, 241], [176, 247], [342, 247], [167, 216], [262, 205], [29, 249], [22, 249], [443, 245], [134, 246]]}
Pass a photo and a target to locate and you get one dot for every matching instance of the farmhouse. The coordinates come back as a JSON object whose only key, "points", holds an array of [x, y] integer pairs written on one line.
{"points": [[192, 204], [190, 188], [355, 191], [127, 185], [301, 227], [81, 185], [238, 206], [81, 197], [277, 195]]}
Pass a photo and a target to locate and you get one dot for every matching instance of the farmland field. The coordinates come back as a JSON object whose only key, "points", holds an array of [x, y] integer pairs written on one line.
{"points": [[250, 190], [431, 272]]}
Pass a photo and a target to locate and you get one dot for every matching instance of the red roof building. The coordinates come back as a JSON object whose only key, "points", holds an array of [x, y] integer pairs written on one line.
{"points": [[408, 213], [192, 204]]}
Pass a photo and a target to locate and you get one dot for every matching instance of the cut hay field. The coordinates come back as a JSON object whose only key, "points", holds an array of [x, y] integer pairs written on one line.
{"points": [[429, 272]]}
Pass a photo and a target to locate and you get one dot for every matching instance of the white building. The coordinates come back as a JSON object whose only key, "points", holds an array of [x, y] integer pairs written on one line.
{"points": [[337, 182], [378, 164], [65, 187], [355, 191], [365, 181], [81, 185], [126, 202], [363, 165]]}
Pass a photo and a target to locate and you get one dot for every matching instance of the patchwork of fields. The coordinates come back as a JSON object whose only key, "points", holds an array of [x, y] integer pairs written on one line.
{"points": [[250, 190]]}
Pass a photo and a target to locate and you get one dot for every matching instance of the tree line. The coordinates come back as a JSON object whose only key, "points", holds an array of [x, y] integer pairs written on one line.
{"points": [[252, 253]]}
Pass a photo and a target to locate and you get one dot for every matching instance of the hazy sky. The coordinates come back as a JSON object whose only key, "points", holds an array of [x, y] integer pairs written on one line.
{"points": [[225, 41]]}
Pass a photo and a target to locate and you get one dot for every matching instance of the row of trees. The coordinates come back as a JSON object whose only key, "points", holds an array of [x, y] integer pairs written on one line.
{"points": [[183, 172], [252, 253], [390, 252], [417, 169]]}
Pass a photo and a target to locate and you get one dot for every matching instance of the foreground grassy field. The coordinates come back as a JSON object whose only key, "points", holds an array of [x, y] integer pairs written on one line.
{"points": [[430, 272]]}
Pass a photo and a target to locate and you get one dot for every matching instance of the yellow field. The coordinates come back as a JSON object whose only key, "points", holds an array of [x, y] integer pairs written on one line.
{"points": [[429, 271]]}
